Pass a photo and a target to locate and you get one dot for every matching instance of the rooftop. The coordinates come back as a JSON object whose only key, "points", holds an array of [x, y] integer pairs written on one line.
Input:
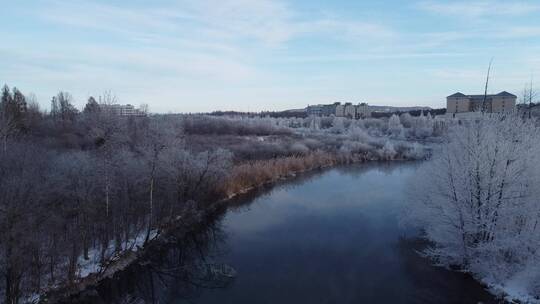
{"points": [[506, 94], [458, 94], [503, 94]]}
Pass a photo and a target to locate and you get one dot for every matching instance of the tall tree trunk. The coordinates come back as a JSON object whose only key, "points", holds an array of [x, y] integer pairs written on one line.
{"points": [[85, 244], [4, 143], [73, 262], [36, 266], [51, 260], [10, 295], [151, 207], [107, 189]]}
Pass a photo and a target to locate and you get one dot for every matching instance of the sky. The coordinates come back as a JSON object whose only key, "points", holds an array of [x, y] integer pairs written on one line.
{"points": [[254, 55]]}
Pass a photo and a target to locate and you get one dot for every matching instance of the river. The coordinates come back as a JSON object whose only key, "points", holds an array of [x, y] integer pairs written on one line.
{"points": [[330, 237]]}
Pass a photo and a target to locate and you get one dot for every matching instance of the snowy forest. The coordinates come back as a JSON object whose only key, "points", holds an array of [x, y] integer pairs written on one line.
{"points": [[81, 188], [477, 202]]}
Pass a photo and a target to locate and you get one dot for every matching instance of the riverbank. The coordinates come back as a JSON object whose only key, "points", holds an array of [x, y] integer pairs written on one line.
{"points": [[80, 192], [244, 178], [325, 236]]}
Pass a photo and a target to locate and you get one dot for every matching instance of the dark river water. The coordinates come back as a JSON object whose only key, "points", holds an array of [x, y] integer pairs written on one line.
{"points": [[330, 237]]}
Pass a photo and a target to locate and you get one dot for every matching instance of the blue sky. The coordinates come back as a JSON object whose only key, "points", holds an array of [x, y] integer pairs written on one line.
{"points": [[203, 55]]}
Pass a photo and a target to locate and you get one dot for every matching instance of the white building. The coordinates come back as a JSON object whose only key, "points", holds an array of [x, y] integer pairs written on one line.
{"points": [[337, 109], [123, 110]]}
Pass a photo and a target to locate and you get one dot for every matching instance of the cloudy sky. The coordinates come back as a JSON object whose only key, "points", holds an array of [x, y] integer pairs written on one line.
{"points": [[251, 55]]}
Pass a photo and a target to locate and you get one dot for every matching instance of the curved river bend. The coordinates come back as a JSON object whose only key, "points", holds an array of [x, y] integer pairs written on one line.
{"points": [[330, 237]]}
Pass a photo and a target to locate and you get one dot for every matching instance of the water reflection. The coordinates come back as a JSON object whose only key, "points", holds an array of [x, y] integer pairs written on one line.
{"points": [[323, 238], [185, 269], [428, 281], [180, 269]]}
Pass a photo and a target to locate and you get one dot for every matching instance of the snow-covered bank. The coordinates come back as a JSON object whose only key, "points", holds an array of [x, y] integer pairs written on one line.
{"points": [[92, 272], [521, 287], [84, 190], [478, 202]]}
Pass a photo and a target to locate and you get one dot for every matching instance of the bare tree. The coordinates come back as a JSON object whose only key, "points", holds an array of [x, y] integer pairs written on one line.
{"points": [[62, 108], [9, 122], [8, 129], [21, 171], [153, 144], [144, 109], [105, 129], [528, 98], [484, 101]]}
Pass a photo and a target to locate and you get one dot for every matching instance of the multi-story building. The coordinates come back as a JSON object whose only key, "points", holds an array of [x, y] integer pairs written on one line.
{"points": [[315, 110], [461, 103], [123, 110], [349, 110], [362, 110], [330, 109], [340, 110]]}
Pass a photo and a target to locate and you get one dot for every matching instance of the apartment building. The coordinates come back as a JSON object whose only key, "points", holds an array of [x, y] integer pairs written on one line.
{"points": [[123, 110], [340, 110], [493, 103]]}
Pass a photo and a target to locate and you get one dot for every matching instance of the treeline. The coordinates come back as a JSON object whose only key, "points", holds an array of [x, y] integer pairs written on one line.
{"points": [[78, 188], [408, 126], [415, 113], [275, 114], [198, 124]]}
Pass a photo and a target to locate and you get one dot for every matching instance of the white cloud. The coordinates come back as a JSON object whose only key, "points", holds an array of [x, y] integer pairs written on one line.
{"points": [[519, 32], [471, 75], [478, 9], [198, 50], [105, 17], [259, 54], [352, 31], [267, 22], [370, 56]]}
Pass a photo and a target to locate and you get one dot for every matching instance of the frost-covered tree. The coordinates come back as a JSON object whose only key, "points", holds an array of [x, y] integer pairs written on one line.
{"points": [[12, 108], [388, 151], [196, 176], [338, 125], [315, 123], [394, 126], [157, 138], [423, 126], [359, 134], [478, 199], [406, 120], [8, 128], [528, 97], [416, 151], [22, 172]]}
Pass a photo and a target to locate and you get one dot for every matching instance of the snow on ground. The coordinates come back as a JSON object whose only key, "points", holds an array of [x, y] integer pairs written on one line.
{"points": [[520, 287], [93, 265], [31, 298]]}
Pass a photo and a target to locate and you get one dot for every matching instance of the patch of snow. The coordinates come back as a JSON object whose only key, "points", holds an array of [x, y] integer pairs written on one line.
{"points": [[93, 265], [31, 298], [519, 288]]}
